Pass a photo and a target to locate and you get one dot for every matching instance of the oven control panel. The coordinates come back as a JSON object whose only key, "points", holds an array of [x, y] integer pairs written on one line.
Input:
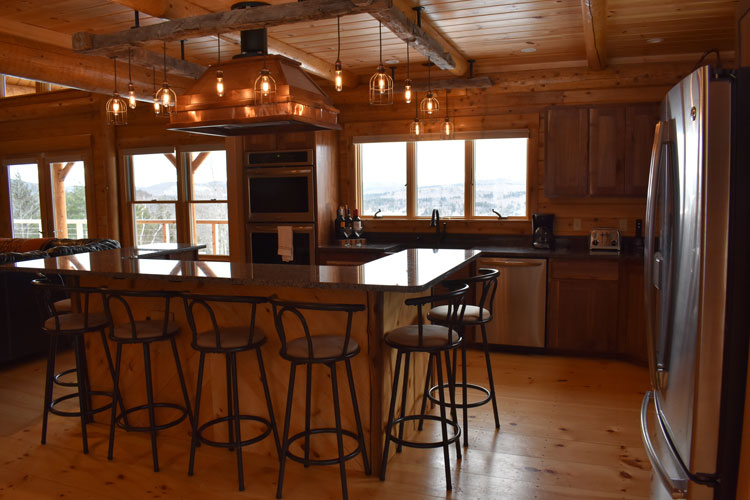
{"points": [[605, 239]]}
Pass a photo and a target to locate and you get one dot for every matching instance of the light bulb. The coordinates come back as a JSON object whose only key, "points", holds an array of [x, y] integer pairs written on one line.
{"points": [[220, 83], [265, 86], [165, 99], [381, 83], [407, 93], [131, 96], [429, 106], [417, 130], [338, 81], [116, 107], [157, 106]]}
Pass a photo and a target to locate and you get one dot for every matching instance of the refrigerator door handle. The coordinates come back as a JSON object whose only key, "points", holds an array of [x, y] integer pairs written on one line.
{"points": [[676, 486]]}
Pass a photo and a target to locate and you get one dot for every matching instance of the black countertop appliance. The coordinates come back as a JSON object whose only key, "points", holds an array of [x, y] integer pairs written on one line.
{"points": [[541, 231]]}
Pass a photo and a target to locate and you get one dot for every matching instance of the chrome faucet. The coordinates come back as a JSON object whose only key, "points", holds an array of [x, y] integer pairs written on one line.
{"points": [[435, 221]]}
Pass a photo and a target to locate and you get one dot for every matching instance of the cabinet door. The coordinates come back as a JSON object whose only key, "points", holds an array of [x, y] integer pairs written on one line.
{"points": [[640, 121], [566, 163], [631, 340], [606, 151], [582, 315]]}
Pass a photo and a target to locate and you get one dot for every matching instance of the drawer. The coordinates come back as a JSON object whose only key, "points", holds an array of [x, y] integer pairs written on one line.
{"points": [[584, 269]]}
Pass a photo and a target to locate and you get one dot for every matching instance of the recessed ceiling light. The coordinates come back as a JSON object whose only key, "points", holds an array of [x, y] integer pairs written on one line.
{"points": [[393, 60], [528, 50], [655, 40]]}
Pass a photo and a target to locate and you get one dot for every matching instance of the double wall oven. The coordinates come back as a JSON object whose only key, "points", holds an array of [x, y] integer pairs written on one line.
{"points": [[281, 192]]}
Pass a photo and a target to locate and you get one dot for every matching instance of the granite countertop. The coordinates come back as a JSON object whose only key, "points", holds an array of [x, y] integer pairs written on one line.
{"points": [[413, 270], [367, 247], [156, 250]]}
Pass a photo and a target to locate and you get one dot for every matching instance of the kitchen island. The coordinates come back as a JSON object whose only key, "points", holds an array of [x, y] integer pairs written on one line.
{"points": [[381, 285]]}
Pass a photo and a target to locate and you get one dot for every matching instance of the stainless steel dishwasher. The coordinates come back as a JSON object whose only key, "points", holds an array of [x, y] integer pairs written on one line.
{"points": [[520, 302]]}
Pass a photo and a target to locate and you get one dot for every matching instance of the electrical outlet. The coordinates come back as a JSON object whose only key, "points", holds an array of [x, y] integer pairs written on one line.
{"points": [[623, 225], [576, 224]]}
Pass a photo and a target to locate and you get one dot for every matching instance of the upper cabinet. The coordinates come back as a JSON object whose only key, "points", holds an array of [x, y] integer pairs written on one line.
{"points": [[599, 151]]}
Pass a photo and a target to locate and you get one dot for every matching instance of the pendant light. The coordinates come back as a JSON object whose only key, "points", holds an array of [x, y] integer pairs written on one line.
{"points": [[416, 129], [157, 104], [166, 95], [265, 85], [131, 89], [116, 107], [447, 129], [381, 84], [429, 104], [219, 72], [407, 82], [338, 71]]}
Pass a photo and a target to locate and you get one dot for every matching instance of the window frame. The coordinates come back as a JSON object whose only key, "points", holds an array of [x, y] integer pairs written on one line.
{"points": [[469, 194]]}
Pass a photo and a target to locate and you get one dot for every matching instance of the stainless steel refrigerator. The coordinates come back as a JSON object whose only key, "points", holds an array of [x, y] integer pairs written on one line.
{"points": [[697, 302]]}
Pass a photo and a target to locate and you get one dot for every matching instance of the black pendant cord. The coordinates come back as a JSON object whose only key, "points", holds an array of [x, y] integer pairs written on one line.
{"points": [[416, 107], [338, 38], [408, 73], [114, 62], [153, 73], [380, 41], [429, 81], [130, 74], [165, 61], [218, 43]]}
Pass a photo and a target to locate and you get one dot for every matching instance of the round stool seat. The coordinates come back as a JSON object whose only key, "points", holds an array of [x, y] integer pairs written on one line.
{"points": [[433, 337], [145, 330], [63, 306], [230, 338], [75, 322], [323, 347], [472, 315]]}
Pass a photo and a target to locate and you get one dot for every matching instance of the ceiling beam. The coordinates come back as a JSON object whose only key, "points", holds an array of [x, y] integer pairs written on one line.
{"points": [[176, 9], [479, 82], [148, 59], [426, 39], [594, 32], [222, 22]]}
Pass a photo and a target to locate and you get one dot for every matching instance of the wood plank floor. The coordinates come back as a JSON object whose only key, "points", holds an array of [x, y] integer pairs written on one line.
{"points": [[569, 430]]}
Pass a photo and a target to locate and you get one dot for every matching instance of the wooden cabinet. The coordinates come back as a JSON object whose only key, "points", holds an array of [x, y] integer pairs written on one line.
{"points": [[582, 305], [599, 151], [631, 336], [345, 257], [566, 172]]}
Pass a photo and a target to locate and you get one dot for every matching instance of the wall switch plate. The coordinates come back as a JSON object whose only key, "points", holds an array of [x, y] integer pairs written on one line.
{"points": [[576, 224]]}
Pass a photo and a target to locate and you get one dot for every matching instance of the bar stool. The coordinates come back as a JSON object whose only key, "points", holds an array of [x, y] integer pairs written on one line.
{"points": [[431, 339], [60, 322], [319, 349], [478, 315], [227, 340], [144, 332]]}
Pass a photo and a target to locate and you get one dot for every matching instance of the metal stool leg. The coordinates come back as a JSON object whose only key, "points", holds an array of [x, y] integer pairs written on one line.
{"points": [[389, 425], [116, 397], [489, 375], [308, 394], [403, 401], [195, 422], [285, 440], [426, 391], [451, 376], [465, 392], [267, 393], [150, 399], [108, 355], [236, 405], [83, 394], [48, 384], [357, 417], [230, 406], [444, 427], [339, 434]]}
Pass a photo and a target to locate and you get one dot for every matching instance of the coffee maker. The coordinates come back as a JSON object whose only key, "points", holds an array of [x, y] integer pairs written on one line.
{"points": [[541, 231]]}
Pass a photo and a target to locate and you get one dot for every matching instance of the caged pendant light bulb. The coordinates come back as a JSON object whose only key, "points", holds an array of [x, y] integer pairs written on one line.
{"points": [[381, 84], [338, 70], [116, 107], [416, 129], [447, 128], [131, 88], [157, 104], [219, 72], [265, 86], [165, 95], [429, 104], [407, 82]]}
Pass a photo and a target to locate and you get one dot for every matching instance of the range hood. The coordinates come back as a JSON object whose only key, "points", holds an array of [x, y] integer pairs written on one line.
{"points": [[298, 104]]}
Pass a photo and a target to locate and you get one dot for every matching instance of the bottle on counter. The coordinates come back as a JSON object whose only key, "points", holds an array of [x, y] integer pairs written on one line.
{"points": [[339, 224], [356, 225], [348, 223]]}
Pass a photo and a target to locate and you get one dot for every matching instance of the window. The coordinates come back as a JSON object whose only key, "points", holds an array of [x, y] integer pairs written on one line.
{"points": [[469, 177], [69, 197], [26, 215], [179, 197]]}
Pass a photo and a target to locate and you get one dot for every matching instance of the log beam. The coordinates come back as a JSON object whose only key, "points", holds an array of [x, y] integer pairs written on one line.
{"points": [[480, 82], [177, 9], [426, 39], [594, 32]]}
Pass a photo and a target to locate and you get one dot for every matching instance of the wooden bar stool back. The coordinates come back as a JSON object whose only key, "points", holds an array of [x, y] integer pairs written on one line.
{"points": [[211, 337], [327, 349], [59, 320], [431, 339], [476, 315], [122, 304]]}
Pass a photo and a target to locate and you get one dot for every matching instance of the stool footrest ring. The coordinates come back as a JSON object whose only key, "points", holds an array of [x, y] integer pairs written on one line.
{"points": [[323, 461], [227, 444], [458, 404], [92, 411], [434, 444], [145, 428], [60, 375]]}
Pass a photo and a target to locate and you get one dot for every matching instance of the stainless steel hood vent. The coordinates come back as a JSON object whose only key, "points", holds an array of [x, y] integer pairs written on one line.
{"points": [[298, 105]]}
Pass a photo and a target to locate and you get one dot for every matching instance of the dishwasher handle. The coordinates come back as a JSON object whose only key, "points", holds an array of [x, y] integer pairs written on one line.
{"points": [[515, 263]]}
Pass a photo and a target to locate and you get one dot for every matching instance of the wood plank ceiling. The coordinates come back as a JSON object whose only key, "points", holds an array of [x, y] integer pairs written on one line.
{"points": [[496, 33]]}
